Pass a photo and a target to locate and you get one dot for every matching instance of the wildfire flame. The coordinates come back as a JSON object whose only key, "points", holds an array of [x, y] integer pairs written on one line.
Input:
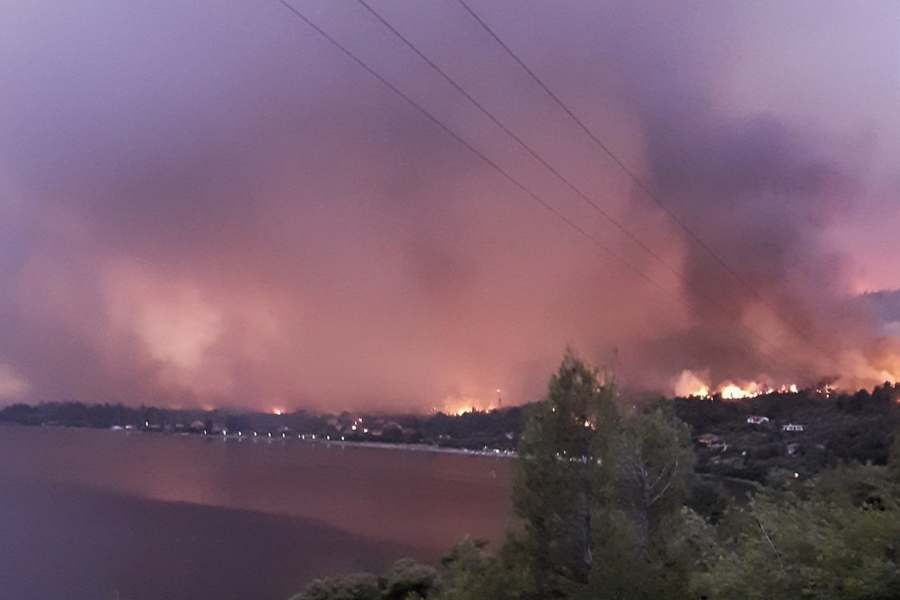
{"points": [[690, 384], [460, 405]]}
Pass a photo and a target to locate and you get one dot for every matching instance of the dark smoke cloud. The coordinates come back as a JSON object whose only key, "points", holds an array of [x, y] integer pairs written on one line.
{"points": [[208, 204], [762, 196]]}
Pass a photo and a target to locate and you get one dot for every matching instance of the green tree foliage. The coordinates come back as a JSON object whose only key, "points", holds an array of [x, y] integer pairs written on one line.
{"points": [[654, 461], [601, 493], [470, 573], [561, 479], [835, 537], [604, 495], [356, 586], [642, 539], [404, 580]]}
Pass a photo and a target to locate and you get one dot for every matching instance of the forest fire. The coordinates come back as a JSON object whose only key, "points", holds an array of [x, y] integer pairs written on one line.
{"points": [[460, 406], [731, 391], [690, 384]]}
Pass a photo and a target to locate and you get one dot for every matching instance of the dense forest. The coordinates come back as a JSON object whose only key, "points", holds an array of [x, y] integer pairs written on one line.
{"points": [[617, 502]]}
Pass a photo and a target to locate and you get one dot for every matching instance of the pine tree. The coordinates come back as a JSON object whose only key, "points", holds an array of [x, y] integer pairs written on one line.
{"points": [[563, 475]]}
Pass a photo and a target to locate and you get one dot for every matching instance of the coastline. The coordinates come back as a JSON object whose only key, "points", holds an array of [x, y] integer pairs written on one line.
{"points": [[494, 452]]}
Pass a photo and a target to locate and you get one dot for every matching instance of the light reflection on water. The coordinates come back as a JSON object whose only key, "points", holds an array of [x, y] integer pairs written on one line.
{"points": [[369, 505]]}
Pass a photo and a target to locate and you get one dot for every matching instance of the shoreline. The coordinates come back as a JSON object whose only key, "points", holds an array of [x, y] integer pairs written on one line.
{"points": [[302, 438], [492, 452]]}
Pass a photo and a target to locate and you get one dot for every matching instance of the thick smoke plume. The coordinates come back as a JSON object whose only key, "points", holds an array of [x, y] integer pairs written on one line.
{"points": [[209, 204]]}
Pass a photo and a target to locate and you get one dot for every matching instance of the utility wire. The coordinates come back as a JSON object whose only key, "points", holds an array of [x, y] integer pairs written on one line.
{"points": [[548, 166], [646, 189], [297, 13]]}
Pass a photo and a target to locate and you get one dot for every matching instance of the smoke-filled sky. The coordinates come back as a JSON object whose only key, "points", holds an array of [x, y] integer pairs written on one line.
{"points": [[205, 202]]}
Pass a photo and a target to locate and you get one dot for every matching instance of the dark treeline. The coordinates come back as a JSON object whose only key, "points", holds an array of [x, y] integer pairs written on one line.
{"points": [[497, 429], [616, 502], [836, 427]]}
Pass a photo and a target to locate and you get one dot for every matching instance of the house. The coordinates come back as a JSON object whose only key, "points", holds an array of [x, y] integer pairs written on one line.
{"points": [[792, 427], [757, 420]]}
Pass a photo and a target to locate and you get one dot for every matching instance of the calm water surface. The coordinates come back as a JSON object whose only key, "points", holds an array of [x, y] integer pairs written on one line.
{"points": [[99, 514]]}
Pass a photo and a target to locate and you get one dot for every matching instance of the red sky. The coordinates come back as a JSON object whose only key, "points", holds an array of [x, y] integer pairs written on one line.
{"points": [[208, 203]]}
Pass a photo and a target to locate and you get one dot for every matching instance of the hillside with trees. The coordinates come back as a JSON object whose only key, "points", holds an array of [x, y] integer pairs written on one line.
{"points": [[611, 505], [802, 432]]}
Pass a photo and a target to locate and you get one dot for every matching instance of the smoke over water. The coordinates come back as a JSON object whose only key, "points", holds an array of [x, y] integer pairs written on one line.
{"points": [[211, 205]]}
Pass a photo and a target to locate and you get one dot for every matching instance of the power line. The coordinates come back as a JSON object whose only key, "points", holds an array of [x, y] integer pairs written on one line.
{"points": [[646, 189], [467, 145], [297, 13], [534, 154], [544, 162]]}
